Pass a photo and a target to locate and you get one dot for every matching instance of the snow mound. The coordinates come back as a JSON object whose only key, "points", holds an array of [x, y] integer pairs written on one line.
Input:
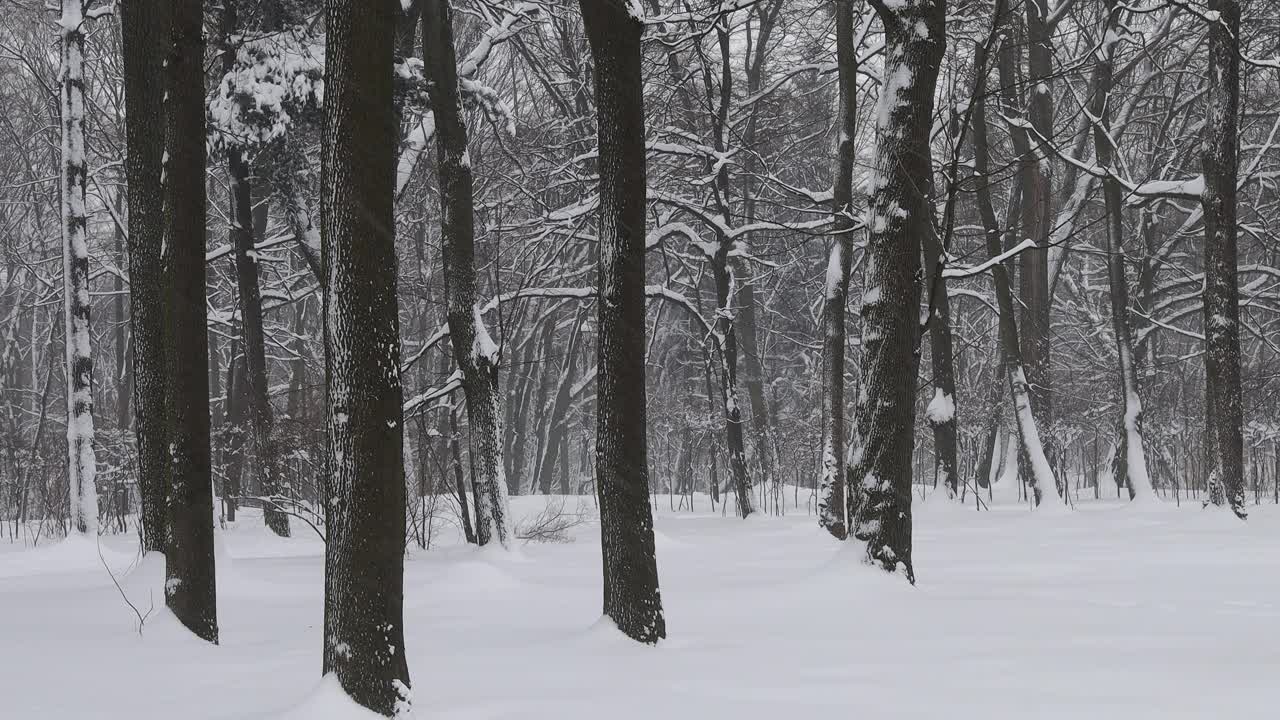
{"points": [[328, 701], [74, 554]]}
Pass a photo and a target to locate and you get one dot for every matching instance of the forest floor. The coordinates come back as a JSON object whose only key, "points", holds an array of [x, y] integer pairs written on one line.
{"points": [[1106, 612]]}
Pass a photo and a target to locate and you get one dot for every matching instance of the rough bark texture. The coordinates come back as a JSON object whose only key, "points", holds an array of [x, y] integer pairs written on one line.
{"points": [[899, 216], [144, 26], [190, 590], [832, 502], [1220, 162], [631, 595], [473, 348], [364, 480], [81, 462], [941, 413]]}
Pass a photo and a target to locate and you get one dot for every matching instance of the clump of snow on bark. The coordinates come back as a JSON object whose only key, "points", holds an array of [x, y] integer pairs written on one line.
{"points": [[328, 701], [942, 408]]}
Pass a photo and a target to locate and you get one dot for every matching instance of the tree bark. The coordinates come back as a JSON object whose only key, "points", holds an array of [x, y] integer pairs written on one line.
{"points": [[632, 599], [190, 588], [1220, 162], [833, 504], [1130, 465], [900, 214], [365, 483], [144, 26], [81, 461], [473, 348]]}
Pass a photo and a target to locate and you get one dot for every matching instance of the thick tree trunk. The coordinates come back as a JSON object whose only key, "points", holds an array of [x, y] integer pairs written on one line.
{"points": [[365, 490], [833, 505], [81, 461], [144, 26], [473, 348], [1219, 159], [190, 590], [899, 216], [631, 596], [1130, 465]]}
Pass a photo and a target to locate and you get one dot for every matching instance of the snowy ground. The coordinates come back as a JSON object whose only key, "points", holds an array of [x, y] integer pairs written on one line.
{"points": [[1108, 612]]}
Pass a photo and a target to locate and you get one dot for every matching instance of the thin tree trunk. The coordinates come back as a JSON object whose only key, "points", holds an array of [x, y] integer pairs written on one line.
{"points": [[833, 505], [632, 599], [474, 350], [190, 589], [365, 485], [81, 461], [1220, 161], [1130, 465]]}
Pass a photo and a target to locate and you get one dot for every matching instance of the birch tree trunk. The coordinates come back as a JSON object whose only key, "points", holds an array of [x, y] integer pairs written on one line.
{"points": [[899, 215], [1130, 464], [144, 31], [365, 489], [473, 349], [81, 462], [190, 590], [832, 502], [1219, 159], [632, 599]]}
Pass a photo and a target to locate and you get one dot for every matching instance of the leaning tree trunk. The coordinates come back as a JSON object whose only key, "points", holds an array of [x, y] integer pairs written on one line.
{"points": [[900, 214], [473, 349], [1031, 449], [1130, 464], [1219, 158], [832, 502], [144, 29], [631, 596], [81, 463], [255, 380], [190, 590], [365, 491]]}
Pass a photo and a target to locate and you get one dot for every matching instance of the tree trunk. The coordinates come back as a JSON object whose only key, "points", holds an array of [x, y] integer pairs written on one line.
{"points": [[1220, 162], [632, 599], [1130, 465], [941, 412], [900, 214], [365, 493], [190, 590], [1031, 449], [473, 349], [81, 462], [242, 237], [557, 420], [833, 505], [727, 339], [144, 34]]}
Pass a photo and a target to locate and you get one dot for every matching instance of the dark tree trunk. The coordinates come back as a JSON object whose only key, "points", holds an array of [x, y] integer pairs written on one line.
{"points": [[242, 236], [900, 215], [365, 489], [1129, 467], [190, 590], [941, 413], [1220, 161], [557, 420], [144, 35], [631, 596], [833, 503], [473, 348], [729, 395]]}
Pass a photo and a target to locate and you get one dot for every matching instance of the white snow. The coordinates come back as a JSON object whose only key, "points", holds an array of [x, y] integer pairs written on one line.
{"points": [[942, 408], [1105, 612]]}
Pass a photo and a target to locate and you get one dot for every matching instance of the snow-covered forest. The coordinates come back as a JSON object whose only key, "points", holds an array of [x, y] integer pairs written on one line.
{"points": [[900, 342]]}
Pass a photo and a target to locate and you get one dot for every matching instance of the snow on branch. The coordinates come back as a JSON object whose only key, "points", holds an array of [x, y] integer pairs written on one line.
{"points": [[963, 272]]}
